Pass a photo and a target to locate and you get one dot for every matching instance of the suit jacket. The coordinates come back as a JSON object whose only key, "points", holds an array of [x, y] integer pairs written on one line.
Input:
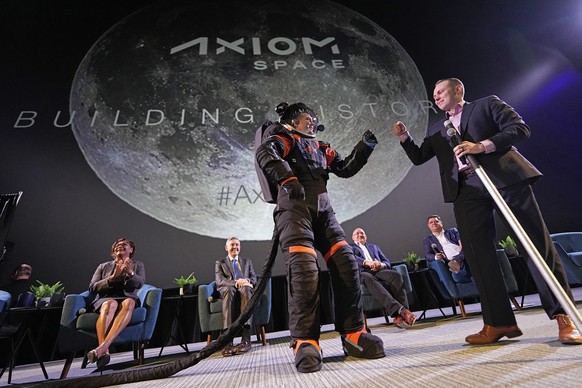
{"points": [[225, 275], [375, 252], [451, 234], [123, 285], [487, 118]]}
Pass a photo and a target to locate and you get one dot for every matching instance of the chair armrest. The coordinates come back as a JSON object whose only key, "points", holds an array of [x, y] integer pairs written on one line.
{"points": [[573, 272], [203, 307], [212, 292], [73, 303], [152, 302]]}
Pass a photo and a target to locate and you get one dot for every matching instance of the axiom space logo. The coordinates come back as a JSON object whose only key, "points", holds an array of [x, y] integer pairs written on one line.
{"points": [[280, 46], [165, 105]]}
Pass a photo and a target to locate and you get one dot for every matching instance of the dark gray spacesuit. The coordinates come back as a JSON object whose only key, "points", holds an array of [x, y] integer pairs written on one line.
{"points": [[294, 168]]}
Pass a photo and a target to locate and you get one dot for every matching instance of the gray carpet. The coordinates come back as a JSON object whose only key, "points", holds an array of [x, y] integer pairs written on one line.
{"points": [[432, 353]]}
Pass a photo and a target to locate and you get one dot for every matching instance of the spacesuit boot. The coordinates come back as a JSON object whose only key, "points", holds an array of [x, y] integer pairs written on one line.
{"points": [[308, 355], [362, 344]]}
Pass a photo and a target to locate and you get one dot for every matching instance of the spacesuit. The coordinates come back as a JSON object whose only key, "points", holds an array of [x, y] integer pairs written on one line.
{"points": [[296, 169]]}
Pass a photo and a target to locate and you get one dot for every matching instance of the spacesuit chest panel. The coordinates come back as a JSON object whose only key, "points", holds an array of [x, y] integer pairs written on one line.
{"points": [[309, 152]]}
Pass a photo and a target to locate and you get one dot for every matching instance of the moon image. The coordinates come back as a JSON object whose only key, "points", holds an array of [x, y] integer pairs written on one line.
{"points": [[166, 103]]}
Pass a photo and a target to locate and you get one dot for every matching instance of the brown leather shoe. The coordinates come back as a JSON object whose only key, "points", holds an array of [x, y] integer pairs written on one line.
{"points": [[568, 334], [399, 322], [244, 346], [408, 316], [229, 350], [491, 334]]}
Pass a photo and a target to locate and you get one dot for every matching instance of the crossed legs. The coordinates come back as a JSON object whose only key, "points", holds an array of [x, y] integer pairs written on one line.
{"points": [[112, 320]]}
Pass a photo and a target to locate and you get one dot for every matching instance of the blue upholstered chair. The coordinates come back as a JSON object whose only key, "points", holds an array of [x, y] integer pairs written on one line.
{"points": [[370, 302], [573, 271], [210, 311], [455, 291], [569, 247], [77, 330], [448, 288]]}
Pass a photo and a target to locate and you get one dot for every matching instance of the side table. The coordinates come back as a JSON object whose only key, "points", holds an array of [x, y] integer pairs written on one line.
{"points": [[26, 318], [177, 322], [420, 277]]}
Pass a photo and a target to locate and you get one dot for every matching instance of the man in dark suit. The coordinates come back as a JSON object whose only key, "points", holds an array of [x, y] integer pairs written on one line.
{"points": [[489, 128], [445, 244], [375, 267], [235, 276]]}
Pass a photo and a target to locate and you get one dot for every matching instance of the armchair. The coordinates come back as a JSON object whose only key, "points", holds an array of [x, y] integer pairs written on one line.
{"points": [[569, 247], [456, 291], [370, 303], [210, 311], [77, 329], [448, 288]]}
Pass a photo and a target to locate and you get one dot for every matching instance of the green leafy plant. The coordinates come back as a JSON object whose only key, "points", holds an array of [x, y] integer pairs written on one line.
{"points": [[412, 257], [509, 246], [182, 281], [44, 290], [507, 243]]}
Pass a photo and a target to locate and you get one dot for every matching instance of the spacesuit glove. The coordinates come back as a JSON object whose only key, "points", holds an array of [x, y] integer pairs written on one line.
{"points": [[294, 189], [370, 139]]}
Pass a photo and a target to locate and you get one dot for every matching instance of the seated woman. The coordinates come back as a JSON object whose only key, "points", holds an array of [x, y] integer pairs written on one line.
{"points": [[115, 283]]}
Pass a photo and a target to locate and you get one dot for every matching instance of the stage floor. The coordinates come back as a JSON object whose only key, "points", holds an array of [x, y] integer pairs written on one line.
{"points": [[432, 353]]}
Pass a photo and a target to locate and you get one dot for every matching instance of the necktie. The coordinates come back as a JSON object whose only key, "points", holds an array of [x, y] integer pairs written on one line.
{"points": [[237, 274]]}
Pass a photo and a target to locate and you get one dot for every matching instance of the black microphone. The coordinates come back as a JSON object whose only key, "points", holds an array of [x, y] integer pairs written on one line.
{"points": [[436, 250], [455, 140], [320, 128]]}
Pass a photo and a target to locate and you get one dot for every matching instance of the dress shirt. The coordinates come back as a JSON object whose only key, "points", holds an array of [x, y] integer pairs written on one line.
{"points": [[366, 252], [450, 250], [455, 119]]}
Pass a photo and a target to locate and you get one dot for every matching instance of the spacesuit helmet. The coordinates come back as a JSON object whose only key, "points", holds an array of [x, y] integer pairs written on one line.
{"points": [[301, 118]]}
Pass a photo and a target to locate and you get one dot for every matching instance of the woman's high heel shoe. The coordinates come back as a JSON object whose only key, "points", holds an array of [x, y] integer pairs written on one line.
{"points": [[92, 356], [103, 360]]}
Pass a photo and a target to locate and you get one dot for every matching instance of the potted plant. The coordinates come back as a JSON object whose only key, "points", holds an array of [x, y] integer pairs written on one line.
{"points": [[412, 261], [43, 292], [186, 284], [509, 246]]}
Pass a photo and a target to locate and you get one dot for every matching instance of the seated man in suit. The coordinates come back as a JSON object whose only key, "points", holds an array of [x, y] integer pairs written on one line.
{"points": [[235, 275], [446, 245], [374, 266]]}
